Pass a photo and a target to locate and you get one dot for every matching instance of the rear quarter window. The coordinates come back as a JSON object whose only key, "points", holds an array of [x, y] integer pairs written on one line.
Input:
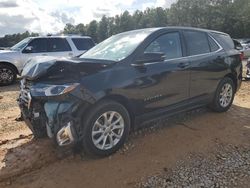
{"points": [[83, 44], [225, 40], [213, 45]]}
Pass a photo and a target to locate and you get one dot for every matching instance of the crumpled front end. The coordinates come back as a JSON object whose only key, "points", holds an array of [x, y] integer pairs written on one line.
{"points": [[52, 98], [56, 116]]}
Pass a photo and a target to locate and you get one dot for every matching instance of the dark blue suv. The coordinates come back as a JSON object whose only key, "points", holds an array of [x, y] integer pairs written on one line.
{"points": [[96, 99]]}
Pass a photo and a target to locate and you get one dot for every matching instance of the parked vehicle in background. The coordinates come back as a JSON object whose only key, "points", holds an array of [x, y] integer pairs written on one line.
{"points": [[13, 60], [3, 48], [95, 100], [246, 48], [239, 47], [248, 69]]}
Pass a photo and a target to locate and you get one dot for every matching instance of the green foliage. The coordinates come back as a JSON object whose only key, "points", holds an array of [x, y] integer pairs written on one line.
{"points": [[92, 30], [102, 29], [230, 16], [11, 40]]}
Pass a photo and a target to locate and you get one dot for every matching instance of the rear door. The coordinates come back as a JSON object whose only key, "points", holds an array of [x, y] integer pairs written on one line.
{"points": [[206, 60], [59, 47]]}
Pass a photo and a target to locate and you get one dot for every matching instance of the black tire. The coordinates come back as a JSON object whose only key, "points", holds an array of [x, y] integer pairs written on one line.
{"points": [[7, 69], [88, 123], [216, 104]]}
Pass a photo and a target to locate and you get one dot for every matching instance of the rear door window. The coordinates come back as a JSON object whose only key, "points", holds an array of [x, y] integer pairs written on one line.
{"points": [[83, 44], [196, 42], [169, 44], [58, 45]]}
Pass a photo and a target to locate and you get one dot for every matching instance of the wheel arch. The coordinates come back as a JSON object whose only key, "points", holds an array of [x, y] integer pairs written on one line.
{"points": [[234, 78], [124, 102], [10, 64]]}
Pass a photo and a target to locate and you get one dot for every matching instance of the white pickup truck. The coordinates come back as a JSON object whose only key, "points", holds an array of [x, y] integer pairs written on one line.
{"points": [[13, 60]]}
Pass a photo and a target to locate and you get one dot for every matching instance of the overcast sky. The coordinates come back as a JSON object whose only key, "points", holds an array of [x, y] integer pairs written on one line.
{"points": [[50, 16]]}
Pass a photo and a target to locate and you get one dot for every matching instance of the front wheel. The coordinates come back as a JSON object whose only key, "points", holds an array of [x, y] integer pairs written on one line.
{"points": [[105, 128], [7, 75], [224, 95]]}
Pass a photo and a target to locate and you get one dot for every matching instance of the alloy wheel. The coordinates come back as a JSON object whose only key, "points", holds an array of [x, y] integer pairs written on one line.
{"points": [[108, 130], [6, 76], [226, 95]]}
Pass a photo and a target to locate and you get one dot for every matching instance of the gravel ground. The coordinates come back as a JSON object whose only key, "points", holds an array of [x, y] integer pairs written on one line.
{"points": [[229, 166], [196, 149]]}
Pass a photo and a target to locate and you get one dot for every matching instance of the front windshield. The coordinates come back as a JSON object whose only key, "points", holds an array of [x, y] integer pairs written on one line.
{"points": [[20, 45], [117, 47]]}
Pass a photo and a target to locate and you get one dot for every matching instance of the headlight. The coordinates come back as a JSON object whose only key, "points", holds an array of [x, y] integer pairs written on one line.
{"points": [[52, 90], [59, 89]]}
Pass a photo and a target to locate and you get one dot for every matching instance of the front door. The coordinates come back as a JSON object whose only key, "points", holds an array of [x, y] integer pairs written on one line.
{"points": [[36, 47], [164, 83]]}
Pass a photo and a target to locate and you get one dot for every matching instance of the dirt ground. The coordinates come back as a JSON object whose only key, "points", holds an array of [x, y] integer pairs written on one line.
{"points": [[29, 163]]}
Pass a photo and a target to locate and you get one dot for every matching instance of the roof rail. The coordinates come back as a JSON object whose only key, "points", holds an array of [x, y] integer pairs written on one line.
{"points": [[66, 35]]}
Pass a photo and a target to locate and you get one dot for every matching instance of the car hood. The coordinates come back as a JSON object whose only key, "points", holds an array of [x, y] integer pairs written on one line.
{"points": [[7, 52], [53, 68]]}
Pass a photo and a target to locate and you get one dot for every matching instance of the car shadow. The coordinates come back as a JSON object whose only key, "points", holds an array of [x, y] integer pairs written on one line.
{"points": [[30, 154], [12, 87]]}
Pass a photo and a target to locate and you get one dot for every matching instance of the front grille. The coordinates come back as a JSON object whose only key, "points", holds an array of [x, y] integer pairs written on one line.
{"points": [[25, 96]]}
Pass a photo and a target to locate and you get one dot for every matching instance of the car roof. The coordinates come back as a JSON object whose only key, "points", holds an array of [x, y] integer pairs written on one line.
{"points": [[198, 29], [151, 30], [63, 36]]}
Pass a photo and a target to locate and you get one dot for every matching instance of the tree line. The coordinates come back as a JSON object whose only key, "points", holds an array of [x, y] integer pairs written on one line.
{"points": [[11, 40], [230, 16]]}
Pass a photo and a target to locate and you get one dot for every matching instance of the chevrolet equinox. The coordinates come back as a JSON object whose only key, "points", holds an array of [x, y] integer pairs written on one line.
{"points": [[96, 99]]}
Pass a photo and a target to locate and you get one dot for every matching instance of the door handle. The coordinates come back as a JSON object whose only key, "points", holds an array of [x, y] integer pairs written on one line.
{"points": [[183, 65], [70, 54], [44, 54]]}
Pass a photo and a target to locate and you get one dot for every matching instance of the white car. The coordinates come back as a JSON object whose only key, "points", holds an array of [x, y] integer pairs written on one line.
{"points": [[245, 43], [246, 49], [13, 60]]}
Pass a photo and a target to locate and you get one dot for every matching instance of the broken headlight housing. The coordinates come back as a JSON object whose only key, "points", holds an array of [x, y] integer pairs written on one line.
{"points": [[52, 90], [59, 89]]}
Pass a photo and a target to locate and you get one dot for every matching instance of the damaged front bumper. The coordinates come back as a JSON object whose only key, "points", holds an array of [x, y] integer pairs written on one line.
{"points": [[60, 120], [66, 135], [53, 118]]}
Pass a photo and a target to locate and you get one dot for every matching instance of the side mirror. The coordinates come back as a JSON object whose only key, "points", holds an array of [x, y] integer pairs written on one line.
{"points": [[151, 57], [28, 49]]}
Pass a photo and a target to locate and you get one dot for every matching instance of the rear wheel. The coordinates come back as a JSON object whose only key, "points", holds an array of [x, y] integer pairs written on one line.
{"points": [[105, 128], [7, 75], [224, 95]]}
